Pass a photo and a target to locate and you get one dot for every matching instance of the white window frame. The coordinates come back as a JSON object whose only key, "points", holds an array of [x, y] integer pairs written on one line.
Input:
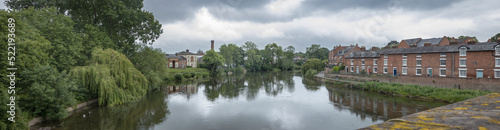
{"points": [[497, 50], [403, 70], [416, 71], [497, 62], [441, 59], [462, 76], [462, 49], [495, 72], [405, 55], [419, 55], [385, 68], [416, 62], [363, 68], [352, 61], [460, 61], [405, 62], [352, 68], [386, 56], [375, 67], [386, 61], [374, 61], [362, 61], [440, 54], [440, 74], [480, 70]]}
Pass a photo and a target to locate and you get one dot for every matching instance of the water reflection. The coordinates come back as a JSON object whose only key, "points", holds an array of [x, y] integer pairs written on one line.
{"points": [[374, 105]]}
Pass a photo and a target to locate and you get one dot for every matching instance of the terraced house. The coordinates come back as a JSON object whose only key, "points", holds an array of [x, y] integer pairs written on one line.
{"points": [[337, 55], [470, 60]]}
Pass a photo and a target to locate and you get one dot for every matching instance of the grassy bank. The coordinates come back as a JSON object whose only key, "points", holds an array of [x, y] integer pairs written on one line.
{"points": [[187, 74], [421, 92]]}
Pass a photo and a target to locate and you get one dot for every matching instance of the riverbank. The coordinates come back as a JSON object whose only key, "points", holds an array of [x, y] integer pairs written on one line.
{"points": [[448, 95], [478, 113]]}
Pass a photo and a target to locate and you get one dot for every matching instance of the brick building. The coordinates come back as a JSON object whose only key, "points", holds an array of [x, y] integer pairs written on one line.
{"points": [[419, 42], [337, 54], [480, 60], [174, 61]]}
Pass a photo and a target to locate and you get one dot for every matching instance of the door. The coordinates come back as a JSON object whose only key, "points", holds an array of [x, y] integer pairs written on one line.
{"points": [[395, 71], [429, 72], [173, 64], [357, 69]]}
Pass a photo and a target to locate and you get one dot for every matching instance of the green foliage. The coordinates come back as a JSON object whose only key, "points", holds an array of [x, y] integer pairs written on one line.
{"points": [[187, 75], [112, 78], [314, 64], [151, 62], [391, 44], [178, 77], [233, 55], [495, 38], [49, 92], [317, 52], [21, 118], [254, 60], [212, 61], [310, 73], [66, 44], [442, 94], [336, 69]]}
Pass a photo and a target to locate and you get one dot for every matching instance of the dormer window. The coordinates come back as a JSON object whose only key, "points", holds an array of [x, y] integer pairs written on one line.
{"points": [[362, 54], [497, 50], [463, 51], [385, 56], [351, 54]]}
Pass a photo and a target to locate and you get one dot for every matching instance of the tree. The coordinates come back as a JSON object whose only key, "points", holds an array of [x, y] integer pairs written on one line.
{"points": [[463, 37], [391, 44], [232, 54], [152, 63], [212, 61], [254, 60], [66, 45], [124, 21], [274, 52], [316, 51], [249, 46], [314, 64], [495, 38], [286, 62], [111, 77]]}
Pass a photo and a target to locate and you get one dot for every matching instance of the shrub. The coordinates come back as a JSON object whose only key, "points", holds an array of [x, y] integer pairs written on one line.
{"points": [[178, 77], [238, 70], [310, 73], [193, 74], [205, 74], [187, 75]]}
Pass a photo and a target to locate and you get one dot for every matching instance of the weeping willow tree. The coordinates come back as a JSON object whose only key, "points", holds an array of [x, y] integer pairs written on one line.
{"points": [[112, 78]]}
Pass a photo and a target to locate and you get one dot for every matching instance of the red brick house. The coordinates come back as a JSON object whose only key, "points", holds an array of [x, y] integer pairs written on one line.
{"points": [[337, 55], [174, 61], [419, 42], [481, 60]]}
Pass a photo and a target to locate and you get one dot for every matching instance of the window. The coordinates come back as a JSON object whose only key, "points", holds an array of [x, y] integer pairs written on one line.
{"points": [[405, 71], [352, 61], [363, 68], [385, 70], [419, 62], [442, 72], [419, 71], [463, 51], [497, 62], [385, 56], [385, 61], [419, 55], [362, 54], [462, 73], [335, 60], [362, 61], [442, 54], [497, 73], [479, 73], [442, 62], [497, 50], [375, 69], [340, 59], [405, 61], [351, 54], [462, 62], [374, 61], [405, 55], [352, 68]]}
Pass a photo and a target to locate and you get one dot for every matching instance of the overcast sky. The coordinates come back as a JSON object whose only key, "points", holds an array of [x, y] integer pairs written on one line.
{"points": [[191, 24]]}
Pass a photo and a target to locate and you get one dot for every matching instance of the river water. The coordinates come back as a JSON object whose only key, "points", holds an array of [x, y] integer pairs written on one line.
{"points": [[254, 101]]}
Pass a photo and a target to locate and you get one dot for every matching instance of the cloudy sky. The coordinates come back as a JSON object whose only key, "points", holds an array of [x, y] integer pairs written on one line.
{"points": [[191, 24]]}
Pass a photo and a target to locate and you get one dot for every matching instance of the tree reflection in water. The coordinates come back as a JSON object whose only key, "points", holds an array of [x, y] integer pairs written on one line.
{"points": [[273, 83]]}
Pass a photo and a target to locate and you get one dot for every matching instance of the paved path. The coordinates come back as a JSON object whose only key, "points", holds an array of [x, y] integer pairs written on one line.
{"points": [[480, 113], [322, 76]]}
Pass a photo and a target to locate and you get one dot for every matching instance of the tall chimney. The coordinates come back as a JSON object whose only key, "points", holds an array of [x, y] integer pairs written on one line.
{"points": [[212, 44]]}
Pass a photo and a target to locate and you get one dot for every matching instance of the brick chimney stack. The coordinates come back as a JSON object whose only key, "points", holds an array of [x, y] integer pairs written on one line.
{"points": [[374, 48], [212, 44], [363, 48], [356, 44]]}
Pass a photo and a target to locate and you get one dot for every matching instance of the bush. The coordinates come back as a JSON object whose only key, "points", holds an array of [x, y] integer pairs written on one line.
{"points": [[310, 73], [342, 67], [187, 75], [205, 74], [178, 77], [193, 74], [239, 70]]}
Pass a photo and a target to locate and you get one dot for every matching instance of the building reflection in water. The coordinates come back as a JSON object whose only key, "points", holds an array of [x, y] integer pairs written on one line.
{"points": [[374, 105], [187, 90]]}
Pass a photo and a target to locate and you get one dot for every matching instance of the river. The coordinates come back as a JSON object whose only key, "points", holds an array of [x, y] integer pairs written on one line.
{"points": [[254, 101]]}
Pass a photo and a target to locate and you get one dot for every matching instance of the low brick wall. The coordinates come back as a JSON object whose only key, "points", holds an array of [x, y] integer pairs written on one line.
{"points": [[441, 82]]}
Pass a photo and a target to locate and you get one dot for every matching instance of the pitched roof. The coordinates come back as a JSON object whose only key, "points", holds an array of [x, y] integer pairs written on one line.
{"points": [[487, 46], [412, 41], [462, 40], [185, 53], [432, 41], [344, 51], [168, 56], [363, 54]]}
